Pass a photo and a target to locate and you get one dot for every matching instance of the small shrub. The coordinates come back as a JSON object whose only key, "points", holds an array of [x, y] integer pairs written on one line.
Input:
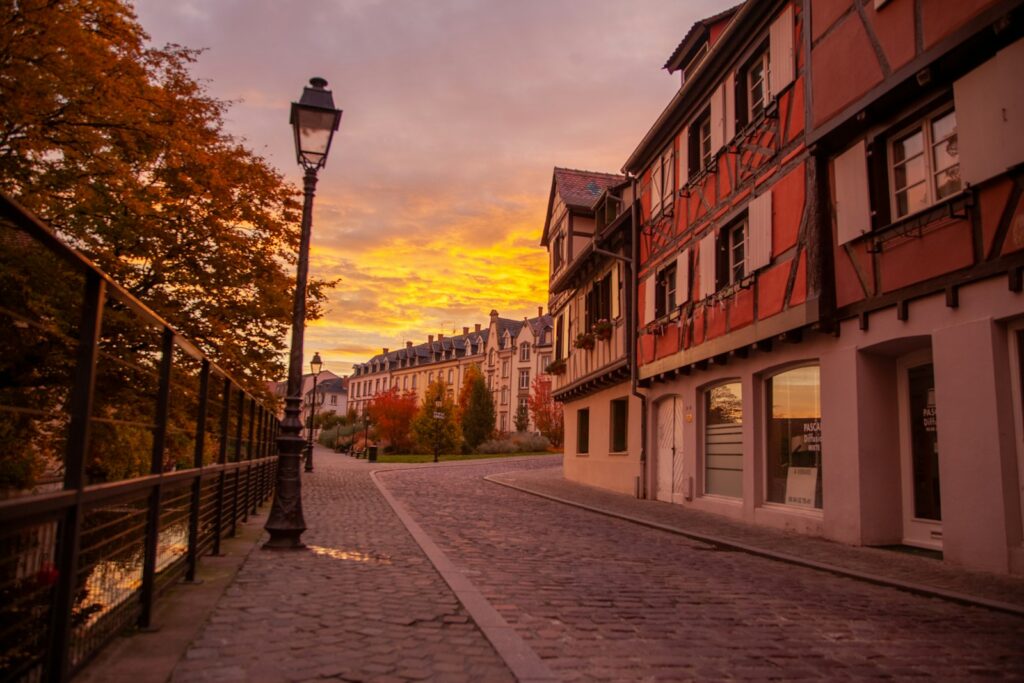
{"points": [[515, 443], [497, 446]]}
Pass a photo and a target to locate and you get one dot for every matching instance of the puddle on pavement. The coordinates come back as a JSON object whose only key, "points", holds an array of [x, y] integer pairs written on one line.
{"points": [[348, 555]]}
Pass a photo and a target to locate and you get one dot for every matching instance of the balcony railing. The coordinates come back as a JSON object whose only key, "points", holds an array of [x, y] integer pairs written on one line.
{"points": [[125, 455], [583, 363]]}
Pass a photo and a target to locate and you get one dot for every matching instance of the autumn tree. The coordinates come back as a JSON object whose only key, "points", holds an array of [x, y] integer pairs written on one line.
{"points": [[392, 414], [469, 376], [546, 412], [435, 427], [477, 418], [115, 144]]}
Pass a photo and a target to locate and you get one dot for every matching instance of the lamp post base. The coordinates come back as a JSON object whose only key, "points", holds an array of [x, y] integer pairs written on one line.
{"points": [[286, 522]]}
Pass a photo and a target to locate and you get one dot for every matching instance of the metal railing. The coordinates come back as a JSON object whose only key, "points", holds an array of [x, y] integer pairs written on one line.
{"points": [[125, 455]]}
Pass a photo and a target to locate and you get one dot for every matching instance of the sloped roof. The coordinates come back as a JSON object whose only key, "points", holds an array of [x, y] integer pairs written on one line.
{"points": [[334, 386], [695, 36], [580, 189]]}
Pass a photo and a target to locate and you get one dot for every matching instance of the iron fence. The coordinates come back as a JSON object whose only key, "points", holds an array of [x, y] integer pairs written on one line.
{"points": [[125, 455]]}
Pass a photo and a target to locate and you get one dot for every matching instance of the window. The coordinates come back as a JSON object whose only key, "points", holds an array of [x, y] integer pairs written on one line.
{"points": [[723, 440], [405, 382], [752, 92], [524, 351], [663, 183], [665, 291], [543, 361], [524, 379], [924, 164], [504, 396], [732, 247], [414, 381], [334, 400], [524, 403], [504, 422], [376, 387], [450, 376], [504, 368], [619, 411], [793, 447], [582, 431], [700, 143], [490, 357], [599, 301], [556, 252], [430, 377], [559, 339]]}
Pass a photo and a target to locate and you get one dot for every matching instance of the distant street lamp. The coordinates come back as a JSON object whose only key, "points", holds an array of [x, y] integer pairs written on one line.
{"points": [[314, 120], [315, 366]]}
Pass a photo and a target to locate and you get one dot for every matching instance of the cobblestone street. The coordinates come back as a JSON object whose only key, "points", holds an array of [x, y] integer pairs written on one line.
{"points": [[604, 599]]}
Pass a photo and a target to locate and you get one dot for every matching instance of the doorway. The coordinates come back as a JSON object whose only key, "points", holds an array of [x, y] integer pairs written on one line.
{"points": [[919, 452], [669, 473]]}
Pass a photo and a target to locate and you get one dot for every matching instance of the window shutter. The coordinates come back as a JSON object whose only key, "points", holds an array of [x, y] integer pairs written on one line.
{"points": [[683, 277], [656, 188], [684, 156], [717, 119], [669, 167], [649, 299], [707, 265], [852, 203], [780, 59], [759, 231], [615, 291], [729, 95], [990, 116]]}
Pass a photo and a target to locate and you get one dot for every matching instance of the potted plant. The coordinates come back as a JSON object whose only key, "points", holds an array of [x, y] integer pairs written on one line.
{"points": [[556, 367], [584, 340], [603, 329]]}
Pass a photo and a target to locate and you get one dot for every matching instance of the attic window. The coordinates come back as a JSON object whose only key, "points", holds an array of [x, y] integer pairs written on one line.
{"points": [[695, 62]]}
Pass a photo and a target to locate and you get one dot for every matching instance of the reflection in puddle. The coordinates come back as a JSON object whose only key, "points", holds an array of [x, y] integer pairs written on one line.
{"points": [[348, 555]]}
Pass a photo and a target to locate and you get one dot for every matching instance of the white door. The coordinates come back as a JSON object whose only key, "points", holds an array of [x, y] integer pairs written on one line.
{"points": [[669, 453], [919, 452]]}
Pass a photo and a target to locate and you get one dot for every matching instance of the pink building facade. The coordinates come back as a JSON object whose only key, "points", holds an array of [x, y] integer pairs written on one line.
{"points": [[828, 295]]}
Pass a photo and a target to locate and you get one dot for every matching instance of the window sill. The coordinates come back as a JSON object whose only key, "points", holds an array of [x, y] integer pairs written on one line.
{"points": [[618, 454], [583, 455]]}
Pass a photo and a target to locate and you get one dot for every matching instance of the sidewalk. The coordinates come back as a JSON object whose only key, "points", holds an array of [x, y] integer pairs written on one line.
{"points": [[361, 603], [909, 572]]}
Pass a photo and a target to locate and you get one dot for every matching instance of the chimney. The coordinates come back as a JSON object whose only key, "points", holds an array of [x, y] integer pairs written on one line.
{"points": [[408, 344], [440, 337], [430, 339], [385, 350], [465, 331], [540, 311], [478, 327], [494, 316]]}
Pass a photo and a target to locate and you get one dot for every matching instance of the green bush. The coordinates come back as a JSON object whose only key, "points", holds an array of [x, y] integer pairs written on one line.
{"points": [[515, 443]]}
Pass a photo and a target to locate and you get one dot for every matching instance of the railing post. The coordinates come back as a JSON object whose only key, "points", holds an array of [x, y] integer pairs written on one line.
{"points": [[249, 446], [197, 484], [222, 458], [156, 467], [238, 460], [80, 409]]}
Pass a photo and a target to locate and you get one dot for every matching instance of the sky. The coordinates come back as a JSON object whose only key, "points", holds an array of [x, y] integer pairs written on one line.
{"points": [[431, 206]]}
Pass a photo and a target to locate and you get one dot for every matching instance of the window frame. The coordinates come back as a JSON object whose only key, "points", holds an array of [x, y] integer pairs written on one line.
{"points": [[727, 262], [760, 58], [705, 394], [524, 352], [922, 123], [524, 373], [665, 294], [766, 391], [662, 172]]}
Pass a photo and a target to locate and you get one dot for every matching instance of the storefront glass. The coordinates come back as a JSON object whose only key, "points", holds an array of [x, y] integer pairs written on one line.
{"points": [[793, 447], [723, 440]]}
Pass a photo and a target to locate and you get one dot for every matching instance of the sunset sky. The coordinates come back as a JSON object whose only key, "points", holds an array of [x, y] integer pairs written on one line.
{"points": [[432, 203]]}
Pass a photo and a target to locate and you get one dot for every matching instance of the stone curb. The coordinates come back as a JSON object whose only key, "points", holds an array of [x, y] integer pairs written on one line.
{"points": [[520, 658], [915, 588]]}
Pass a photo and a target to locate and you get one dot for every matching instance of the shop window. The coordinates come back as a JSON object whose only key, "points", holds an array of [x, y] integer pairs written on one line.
{"points": [[723, 440], [619, 415], [699, 144], [665, 291], [793, 445], [924, 164], [582, 431]]}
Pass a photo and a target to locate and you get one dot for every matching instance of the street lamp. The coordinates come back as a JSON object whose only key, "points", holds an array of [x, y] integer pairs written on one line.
{"points": [[315, 366], [314, 120]]}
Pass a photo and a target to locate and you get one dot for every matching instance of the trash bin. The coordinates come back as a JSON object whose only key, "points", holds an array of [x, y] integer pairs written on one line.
{"points": [[371, 453]]}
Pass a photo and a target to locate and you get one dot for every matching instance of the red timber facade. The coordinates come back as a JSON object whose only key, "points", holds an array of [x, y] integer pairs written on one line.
{"points": [[829, 241], [587, 233]]}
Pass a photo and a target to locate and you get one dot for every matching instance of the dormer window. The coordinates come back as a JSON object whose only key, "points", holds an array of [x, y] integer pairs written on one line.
{"points": [[694, 63]]}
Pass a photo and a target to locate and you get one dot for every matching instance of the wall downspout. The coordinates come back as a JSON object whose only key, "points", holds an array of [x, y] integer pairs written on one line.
{"points": [[631, 328]]}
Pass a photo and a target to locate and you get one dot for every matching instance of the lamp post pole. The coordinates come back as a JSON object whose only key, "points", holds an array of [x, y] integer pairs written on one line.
{"points": [[314, 120], [315, 366]]}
